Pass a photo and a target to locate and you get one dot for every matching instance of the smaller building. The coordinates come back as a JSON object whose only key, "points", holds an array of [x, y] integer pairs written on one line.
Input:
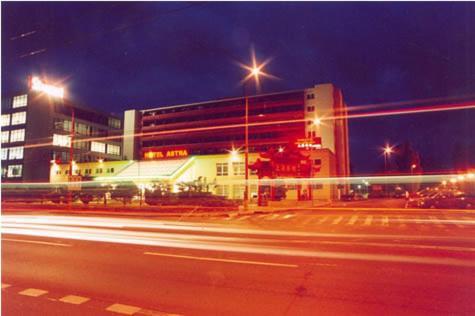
{"points": [[37, 129], [222, 173]]}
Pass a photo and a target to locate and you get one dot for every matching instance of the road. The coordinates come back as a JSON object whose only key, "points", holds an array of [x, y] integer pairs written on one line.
{"points": [[325, 262]]}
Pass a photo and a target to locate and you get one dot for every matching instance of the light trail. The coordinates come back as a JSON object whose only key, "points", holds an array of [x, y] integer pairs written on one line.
{"points": [[427, 109], [229, 246]]}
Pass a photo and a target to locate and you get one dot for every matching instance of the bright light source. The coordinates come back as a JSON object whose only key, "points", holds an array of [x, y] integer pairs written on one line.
{"points": [[444, 182], [470, 175], [100, 160], [359, 186], [53, 161], [413, 166], [281, 149], [38, 85], [317, 122], [256, 71], [388, 150], [234, 154], [461, 178], [453, 180]]}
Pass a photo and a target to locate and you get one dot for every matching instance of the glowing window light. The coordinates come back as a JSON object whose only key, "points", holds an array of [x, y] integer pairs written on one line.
{"points": [[38, 85]]}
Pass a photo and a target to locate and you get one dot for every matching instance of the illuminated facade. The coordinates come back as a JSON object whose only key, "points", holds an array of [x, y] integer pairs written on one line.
{"points": [[36, 129], [313, 117]]}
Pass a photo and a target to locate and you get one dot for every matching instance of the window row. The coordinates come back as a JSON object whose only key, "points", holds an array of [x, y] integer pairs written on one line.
{"points": [[79, 128], [12, 153], [16, 135], [16, 118], [12, 171], [87, 171], [20, 101], [65, 141], [239, 168]]}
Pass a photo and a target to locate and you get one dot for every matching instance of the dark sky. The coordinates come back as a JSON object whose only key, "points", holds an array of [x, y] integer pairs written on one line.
{"points": [[117, 56]]}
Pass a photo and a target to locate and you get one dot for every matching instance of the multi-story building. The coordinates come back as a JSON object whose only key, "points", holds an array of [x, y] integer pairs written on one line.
{"points": [[36, 132], [205, 141], [315, 115]]}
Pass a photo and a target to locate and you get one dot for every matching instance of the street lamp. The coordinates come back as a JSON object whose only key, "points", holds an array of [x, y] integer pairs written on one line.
{"points": [[387, 152], [254, 71]]}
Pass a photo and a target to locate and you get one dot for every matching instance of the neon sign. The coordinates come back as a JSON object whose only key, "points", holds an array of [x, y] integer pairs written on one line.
{"points": [[38, 85], [166, 154]]}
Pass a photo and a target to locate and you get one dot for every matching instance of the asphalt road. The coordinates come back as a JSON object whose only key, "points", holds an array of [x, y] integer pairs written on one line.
{"points": [[325, 262]]}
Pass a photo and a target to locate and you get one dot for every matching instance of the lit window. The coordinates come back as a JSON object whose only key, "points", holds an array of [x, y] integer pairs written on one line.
{"points": [[222, 190], [16, 153], [4, 153], [238, 168], [17, 135], [238, 191], [20, 100], [98, 147], [113, 149], [114, 123], [221, 169], [19, 118], [5, 136], [14, 171], [5, 119], [61, 140]]}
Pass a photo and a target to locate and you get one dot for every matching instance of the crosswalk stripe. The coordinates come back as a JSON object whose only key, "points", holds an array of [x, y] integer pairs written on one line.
{"points": [[352, 220], [368, 220], [33, 292], [123, 309], [74, 299], [385, 221], [337, 220], [321, 221]]}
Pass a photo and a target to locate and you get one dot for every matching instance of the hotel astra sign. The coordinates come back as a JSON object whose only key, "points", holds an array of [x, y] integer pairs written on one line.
{"points": [[166, 154]]}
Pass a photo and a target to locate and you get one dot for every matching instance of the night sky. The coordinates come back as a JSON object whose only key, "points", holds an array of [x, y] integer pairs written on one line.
{"points": [[117, 56]]}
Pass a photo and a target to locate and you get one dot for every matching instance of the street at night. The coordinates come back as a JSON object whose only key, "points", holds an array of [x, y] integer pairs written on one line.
{"points": [[363, 262], [237, 158]]}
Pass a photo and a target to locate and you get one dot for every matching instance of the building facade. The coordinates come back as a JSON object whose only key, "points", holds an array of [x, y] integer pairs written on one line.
{"points": [[36, 132]]}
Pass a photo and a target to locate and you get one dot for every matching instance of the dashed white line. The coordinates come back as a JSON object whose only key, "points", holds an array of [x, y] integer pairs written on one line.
{"points": [[337, 220], [74, 299], [37, 242], [289, 216], [261, 263], [123, 309], [33, 292], [385, 221], [352, 220], [368, 220]]}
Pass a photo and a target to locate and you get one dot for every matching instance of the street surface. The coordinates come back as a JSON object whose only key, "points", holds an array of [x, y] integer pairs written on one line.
{"points": [[314, 262]]}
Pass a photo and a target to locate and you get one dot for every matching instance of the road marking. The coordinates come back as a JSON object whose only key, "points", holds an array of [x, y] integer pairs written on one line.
{"points": [[352, 220], [289, 216], [243, 218], [385, 221], [123, 309], [323, 220], [37, 242], [33, 292], [73, 299], [149, 312], [337, 220], [5, 285], [368, 220], [261, 263], [273, 216]]}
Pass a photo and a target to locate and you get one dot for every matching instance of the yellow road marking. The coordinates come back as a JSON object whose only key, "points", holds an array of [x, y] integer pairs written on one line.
{"points": [[33, 292], [261, 263], [73, 299]]}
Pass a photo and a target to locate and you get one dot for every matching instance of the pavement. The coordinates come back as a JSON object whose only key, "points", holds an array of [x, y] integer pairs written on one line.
{"points": [[363, 262]]}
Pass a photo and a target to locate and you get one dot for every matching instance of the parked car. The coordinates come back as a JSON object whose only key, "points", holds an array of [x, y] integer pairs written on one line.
{"points": [[449, 199]]}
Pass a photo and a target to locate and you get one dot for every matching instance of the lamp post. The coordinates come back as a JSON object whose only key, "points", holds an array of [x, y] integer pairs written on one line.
{"points": [[387, 152]]}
